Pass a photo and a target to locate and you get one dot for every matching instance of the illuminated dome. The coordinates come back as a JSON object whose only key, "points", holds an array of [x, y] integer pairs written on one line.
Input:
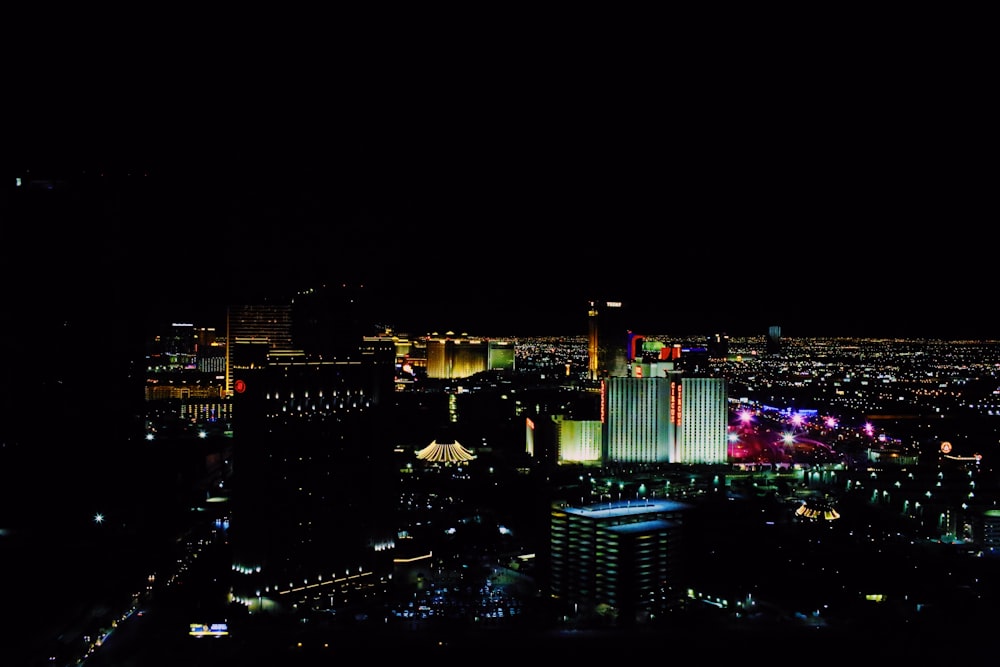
{"points": [[449, 453]]}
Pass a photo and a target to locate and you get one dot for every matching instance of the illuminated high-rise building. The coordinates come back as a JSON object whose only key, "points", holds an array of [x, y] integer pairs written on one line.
{"points": [[673, 418], [452, 357], [592, 333], [608, 340], [636, 420], [252, 331], [268, 322], [626, 555], [578, 440], [658, 404], [701, 419]]}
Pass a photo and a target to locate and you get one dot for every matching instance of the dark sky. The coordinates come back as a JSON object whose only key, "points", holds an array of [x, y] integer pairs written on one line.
{"points": [[826, 195]]}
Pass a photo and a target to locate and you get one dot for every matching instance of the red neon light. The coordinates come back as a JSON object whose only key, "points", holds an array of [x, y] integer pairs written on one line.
{"points": [[604, 398], [679, 403]]}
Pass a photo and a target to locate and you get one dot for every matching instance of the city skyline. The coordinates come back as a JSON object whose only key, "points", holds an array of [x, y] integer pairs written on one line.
{"points": [[817, 187], [908, 473]]}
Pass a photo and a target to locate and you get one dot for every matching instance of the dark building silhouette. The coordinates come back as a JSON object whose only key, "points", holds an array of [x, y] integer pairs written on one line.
{"points": [[330, 321], [313, 498], [718, 346]]}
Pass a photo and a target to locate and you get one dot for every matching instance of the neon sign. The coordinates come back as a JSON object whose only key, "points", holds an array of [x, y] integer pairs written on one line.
{"points": [[213, 630]]}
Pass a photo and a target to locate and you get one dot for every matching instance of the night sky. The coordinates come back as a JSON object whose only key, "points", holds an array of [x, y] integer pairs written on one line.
{"points": [[824, 194]]}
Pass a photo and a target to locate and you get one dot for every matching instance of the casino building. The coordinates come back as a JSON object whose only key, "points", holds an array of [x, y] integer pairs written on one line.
{"points": [[662, 408]]}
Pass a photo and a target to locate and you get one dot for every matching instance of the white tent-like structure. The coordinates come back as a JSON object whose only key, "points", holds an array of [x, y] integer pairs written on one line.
{"points": [[816, 510], [450, 453]]}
